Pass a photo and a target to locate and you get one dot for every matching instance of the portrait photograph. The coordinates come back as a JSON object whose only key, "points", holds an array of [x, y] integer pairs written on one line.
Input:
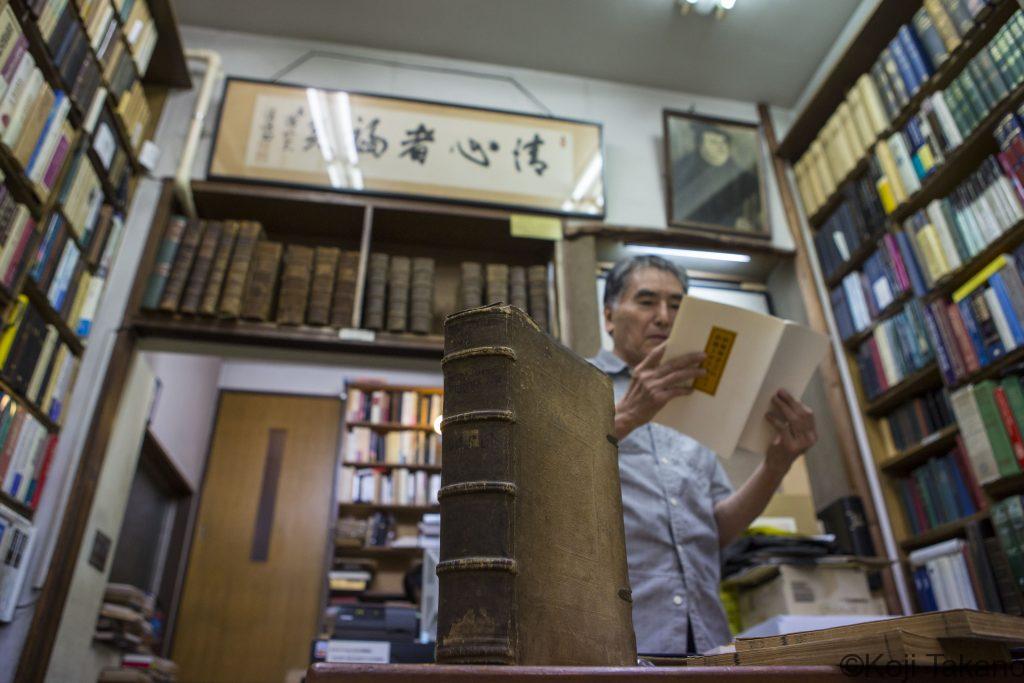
{"points": [[714, 174]]}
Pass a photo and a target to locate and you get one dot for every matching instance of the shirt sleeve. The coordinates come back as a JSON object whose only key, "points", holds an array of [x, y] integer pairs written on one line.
{"points": [[721, 487]]}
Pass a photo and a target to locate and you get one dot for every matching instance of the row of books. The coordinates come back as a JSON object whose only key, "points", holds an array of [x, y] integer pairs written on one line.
{"points": [[134, 112], [139, 30], [990, 415], [1010, 136], [879, 96], [399, 294], [858, 219], [34, 126], [81, 197], [125, 619], [394, 406], [984, 320], [965, 573], [388, 487], [1008, 522], [35, 361], [897, 347], [523, 287], [26, 450], [15, 544], [914, 421], [365, 445], [940, 491], [351, 575], [17, 230], [864, 295]]}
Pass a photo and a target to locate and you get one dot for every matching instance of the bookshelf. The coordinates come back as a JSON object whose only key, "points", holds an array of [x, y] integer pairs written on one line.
{"points": [[955, 171]]}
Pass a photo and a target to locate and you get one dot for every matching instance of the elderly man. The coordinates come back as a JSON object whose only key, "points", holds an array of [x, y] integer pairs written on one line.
{"points": [[679, 506]]}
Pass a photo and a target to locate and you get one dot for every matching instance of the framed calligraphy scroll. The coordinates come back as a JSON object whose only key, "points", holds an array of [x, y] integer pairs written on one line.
{"points": [[715, 179], [350, 142]]}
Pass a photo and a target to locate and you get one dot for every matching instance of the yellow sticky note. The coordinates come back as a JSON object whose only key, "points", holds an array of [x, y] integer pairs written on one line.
{"points": [[536, 227]]}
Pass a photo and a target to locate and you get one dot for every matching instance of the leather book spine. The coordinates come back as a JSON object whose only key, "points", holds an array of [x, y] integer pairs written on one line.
{"points": [[218, 269], [477, 568], [497, 283], [164, 261], [399, 278], [421, 296], [537, 287], [186, 255], [295, 277], [517, 288], [343, 306], [325, 269], [99, 237], [376, 288], [471, 285], [258, 300], [201, 270], [238, 272]]}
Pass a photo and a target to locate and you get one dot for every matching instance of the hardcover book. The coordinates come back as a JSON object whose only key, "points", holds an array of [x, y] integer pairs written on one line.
{"points": [[237, 280], [343, 307], [258, 301], [183, 260], [325, 269], [218, 269], [421, 296], [201, 270], [533, 556], [295, 277], [376, 289]]}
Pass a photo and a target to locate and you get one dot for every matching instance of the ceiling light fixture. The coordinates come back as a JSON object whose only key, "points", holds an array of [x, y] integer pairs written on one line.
{"points": [[705, 7], [692, 253]]}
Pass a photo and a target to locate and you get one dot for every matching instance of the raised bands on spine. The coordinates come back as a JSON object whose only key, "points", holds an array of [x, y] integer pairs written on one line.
{"points": [[468, 487], [478, 416], [477, 352], [478, 564]]}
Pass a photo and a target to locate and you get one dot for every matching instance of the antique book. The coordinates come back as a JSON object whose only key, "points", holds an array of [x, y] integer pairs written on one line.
{"points": [[517, 288], [421, 296], [98, 239], [164, 260], [325, 268], [237, 278], [295, 277], [218, 268], [258, 300], [471, 285], [376, 289], [537, 292], [201, 269], [497, 283], [183, 260], [533, 554], [343, 307], [399, 274], [750, 356]]}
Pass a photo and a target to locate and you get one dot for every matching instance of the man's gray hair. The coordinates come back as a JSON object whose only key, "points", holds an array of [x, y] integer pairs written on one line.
{"points": [[618, 276]]}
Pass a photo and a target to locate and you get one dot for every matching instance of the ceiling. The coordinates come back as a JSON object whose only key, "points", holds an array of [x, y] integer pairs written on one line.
{"points": [[764, 50]]}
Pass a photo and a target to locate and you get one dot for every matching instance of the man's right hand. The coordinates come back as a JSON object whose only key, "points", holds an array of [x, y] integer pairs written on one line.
{"points": [[653, 385]]}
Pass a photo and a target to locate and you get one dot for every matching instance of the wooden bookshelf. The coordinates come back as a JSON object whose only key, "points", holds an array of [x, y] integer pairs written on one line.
{"points": [[42, 304], [378, 551], [993, 369], [856, 259], [934, 444], [394, 466], [949, 283], [16, 505], [942, 532], [851, 343], [1005, 487], [389, 426], [31, 407], [924, 379]]}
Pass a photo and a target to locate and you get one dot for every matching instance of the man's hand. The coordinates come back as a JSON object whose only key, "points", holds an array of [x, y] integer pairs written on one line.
{"points": [[653, 385], [795, 431]]}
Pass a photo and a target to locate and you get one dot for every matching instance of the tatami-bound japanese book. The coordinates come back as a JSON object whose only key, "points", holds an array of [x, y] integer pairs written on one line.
{"points": [[750, 356]]}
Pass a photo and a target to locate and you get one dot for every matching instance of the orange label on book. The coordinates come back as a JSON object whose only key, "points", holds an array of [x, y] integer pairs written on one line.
{"points": [[718, 348]]}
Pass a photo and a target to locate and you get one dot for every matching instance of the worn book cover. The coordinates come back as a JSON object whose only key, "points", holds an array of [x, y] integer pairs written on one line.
{"points": [[295, 278], [537, 288], [421, 296], [533, 555], [218, 269], [258, 301], [325, 268], [239, 269], [183, 261], [399, 279], [343, 307], [201, 269], [376, 291]]}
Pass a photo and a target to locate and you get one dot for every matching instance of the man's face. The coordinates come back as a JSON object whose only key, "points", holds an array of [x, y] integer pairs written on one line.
{"points": [[714, 147], [644, 314]]}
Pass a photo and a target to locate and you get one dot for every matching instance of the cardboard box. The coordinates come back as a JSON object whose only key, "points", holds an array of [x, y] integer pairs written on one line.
{"points": [[808, 589]]}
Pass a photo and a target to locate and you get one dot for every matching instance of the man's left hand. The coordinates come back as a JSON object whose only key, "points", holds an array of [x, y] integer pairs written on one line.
{"points": [[795, 431]]}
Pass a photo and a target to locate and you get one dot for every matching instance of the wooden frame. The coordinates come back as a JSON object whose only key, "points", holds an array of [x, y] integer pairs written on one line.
{"points": [[757, 219], [352, 142]]}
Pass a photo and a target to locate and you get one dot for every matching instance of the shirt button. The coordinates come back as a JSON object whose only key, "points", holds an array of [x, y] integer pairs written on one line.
{"points": [[678, 599], [674, 501]]}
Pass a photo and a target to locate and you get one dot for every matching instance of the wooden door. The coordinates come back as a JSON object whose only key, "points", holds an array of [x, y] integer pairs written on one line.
{"points": [[251, 603]]}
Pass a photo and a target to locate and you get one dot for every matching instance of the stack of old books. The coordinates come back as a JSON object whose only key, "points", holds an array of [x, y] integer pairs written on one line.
{"points": [[142, 669], [376, 291], [924, 639], [421, 296], [399, 274], [526, 288], [124, 618], [295, 284], [471, 285]]}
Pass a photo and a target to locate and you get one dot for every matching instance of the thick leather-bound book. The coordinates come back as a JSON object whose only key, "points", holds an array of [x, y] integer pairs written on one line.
{"points": [[238, 271], [186, 255], [219, 269], [295, 277], [376, 289], [533, 553], [201, 270], [497, 283], [258, 301], [517, 288], [421, 295], [471, 285], [344, 304], [399, 277], [164, 260], [325, 269]]}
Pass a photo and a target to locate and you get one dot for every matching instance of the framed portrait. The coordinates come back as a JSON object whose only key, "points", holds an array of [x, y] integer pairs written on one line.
{"points": [[715, 175], [389, 146]]}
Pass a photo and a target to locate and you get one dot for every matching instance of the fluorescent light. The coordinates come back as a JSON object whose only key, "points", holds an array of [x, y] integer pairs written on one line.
{"points": [[693, 253], [727, 4]]}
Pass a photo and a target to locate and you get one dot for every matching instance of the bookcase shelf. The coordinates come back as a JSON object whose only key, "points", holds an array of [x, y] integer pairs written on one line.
{"points": [[1008, 241], [1005, 486], [851, 343], [942, 532], [389, 426], [926, 378], [42, 304], [394, 466], [377, 551], [372, 507], [992, 369], [856, 259], [933, 444], [31, 407], [167, 66], [16, 505], [245, 333]]}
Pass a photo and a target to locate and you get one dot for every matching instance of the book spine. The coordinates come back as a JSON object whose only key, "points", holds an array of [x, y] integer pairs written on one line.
{"points": [[478, 494]]}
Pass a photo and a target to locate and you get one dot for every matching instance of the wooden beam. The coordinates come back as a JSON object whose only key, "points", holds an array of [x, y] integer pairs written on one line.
{"points": [[837, 402]]}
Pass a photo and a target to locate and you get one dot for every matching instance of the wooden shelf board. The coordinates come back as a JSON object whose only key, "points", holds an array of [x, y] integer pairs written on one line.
{"points": [[992, 369], [926, 378], [35, 410], [857, 258], [42, 304], [935, 443], [16, 505], [389, 426], [889, 311], [1005, 486], [371, 551], [389, 508], [268, 334], [949, 283], [167, 66], [393, 466], [942, 532]]}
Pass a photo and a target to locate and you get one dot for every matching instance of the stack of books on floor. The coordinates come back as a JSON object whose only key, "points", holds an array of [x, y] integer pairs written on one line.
{"points": [[380, 486], [898, 347], [940, 491], [991, 419], [124, 619], [142, 669], [922, 638], [917, 419]]}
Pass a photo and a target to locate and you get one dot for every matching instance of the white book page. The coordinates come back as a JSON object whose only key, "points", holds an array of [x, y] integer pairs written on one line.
{"points": [[796, 358], [717, 419]]}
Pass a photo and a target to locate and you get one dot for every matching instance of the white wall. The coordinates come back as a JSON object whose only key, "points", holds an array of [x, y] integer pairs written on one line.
{"points": [[316, 380], [631, 116]]}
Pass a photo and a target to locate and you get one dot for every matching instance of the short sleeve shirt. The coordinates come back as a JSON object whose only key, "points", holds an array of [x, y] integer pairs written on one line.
{"points": [[670, 485]]}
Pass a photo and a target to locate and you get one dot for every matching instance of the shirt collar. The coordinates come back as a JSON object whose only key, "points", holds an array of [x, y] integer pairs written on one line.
{"points": [[607, 362]]}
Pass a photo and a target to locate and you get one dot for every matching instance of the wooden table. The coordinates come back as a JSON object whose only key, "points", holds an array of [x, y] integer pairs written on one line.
{"points": [[401, 673]]}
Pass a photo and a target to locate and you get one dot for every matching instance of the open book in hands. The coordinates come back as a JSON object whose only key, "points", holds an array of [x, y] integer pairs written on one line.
{"points": [[750, 356]]}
